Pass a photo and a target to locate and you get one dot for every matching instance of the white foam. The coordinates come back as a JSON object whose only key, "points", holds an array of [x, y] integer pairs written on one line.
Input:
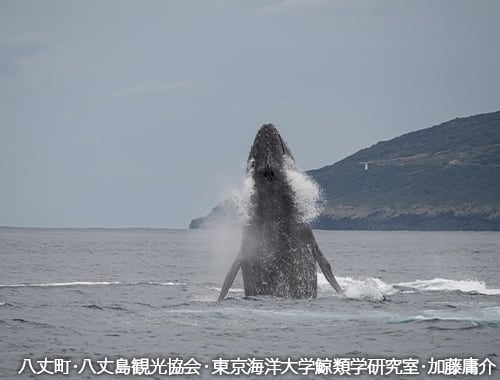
{"points": [[447, 285], [55, 284], [475, 315], [86, 283], [231, 290], [307, 192], [430, 316], [363, 288], [376, 289]]}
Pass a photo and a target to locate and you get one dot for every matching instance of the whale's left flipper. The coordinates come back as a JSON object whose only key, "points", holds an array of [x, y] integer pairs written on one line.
{"points": [[326, 269], [233, 271]]}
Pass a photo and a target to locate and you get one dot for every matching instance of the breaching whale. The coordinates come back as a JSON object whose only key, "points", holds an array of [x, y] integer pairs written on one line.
{"points": [[278, 253]]}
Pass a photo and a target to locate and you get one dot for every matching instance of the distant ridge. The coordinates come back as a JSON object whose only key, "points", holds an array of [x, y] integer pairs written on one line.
{"points": [[446, 177]]}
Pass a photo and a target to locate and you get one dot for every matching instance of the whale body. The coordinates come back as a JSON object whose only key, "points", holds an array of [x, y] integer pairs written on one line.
{"points": [[278, 254]]}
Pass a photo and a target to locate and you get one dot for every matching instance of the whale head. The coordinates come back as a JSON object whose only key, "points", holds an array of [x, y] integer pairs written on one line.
{"points": [[268, 156]]}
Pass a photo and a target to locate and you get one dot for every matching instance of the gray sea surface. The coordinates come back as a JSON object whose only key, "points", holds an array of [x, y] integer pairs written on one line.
{"points": [[152, 293]]}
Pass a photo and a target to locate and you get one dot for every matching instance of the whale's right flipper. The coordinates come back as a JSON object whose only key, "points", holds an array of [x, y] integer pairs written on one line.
{"points": [[326, 269], [233, 271]]}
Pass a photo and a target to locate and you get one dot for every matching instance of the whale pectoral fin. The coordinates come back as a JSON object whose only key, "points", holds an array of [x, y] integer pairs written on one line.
{"points": [[326, 269], [228, 281]]}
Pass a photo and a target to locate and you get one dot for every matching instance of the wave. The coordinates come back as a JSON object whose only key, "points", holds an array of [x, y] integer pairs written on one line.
{"points": [[375, 289], [38, 324], [57, 284], [89, 283], [232, 290], [372, 288], [169, 283], [443, 284], [475, 317]]}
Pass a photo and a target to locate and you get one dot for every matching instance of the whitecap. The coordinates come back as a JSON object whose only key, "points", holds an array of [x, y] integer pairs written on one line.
{"points": [[173, 283], [232, 290], [376, 289], [448, 285], [472, 316], [60, 284], [89, 283]]}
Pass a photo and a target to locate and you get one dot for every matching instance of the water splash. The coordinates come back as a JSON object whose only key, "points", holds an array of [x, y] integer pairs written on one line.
{"points": [[369, 288], [447, 285], [238, 199], [372, 288], [308, 197]]}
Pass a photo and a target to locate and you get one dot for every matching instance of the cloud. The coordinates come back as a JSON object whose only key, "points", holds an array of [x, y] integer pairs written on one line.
{"points": [[147, 87]]}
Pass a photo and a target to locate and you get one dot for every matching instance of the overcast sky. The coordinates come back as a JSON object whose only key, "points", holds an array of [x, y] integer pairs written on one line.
{"points": [[141, 113]]}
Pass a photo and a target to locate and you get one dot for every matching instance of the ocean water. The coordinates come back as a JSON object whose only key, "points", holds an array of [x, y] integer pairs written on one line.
{"points": [[78, 294]]}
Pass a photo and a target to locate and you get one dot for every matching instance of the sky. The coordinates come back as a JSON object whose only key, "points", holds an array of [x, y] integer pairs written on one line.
{"points": [[142, 113]]}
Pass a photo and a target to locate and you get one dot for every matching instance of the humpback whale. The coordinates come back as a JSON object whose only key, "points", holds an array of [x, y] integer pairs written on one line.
{"points": [[278, 253]]}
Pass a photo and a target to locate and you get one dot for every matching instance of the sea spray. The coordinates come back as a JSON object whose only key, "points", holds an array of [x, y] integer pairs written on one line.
{"points": [[238, 199], [308, 196], [226, 231]]}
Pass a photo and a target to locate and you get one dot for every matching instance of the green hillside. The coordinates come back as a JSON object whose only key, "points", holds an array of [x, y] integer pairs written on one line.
{"points": [[443, 177]]}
